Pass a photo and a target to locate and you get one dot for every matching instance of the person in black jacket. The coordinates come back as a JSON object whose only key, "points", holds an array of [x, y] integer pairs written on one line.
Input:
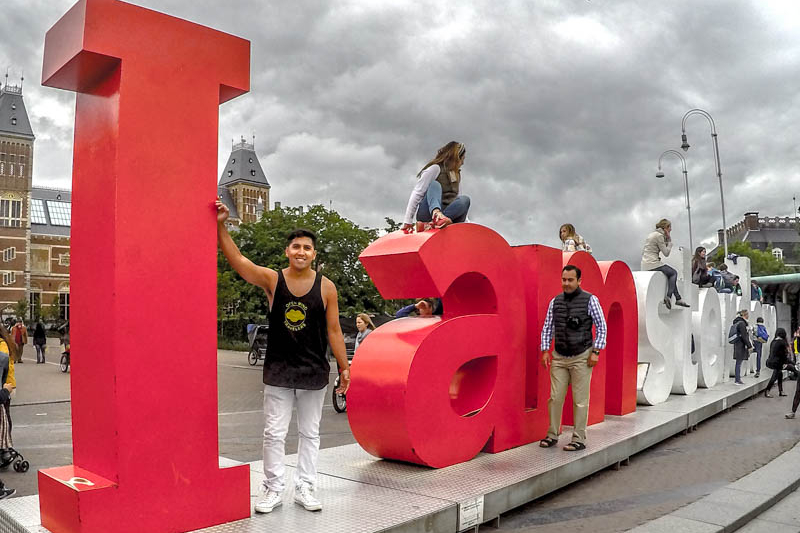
{"points": [[742, 347], [777, 360], [39, 341]]}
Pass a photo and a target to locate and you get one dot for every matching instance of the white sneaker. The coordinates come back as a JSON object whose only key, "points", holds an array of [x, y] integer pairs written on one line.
{"points": [[268, 502], [303, 496]]}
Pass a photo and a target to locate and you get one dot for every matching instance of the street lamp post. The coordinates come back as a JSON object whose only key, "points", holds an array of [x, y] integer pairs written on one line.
{"points": [[660, 174], [685, 146]]}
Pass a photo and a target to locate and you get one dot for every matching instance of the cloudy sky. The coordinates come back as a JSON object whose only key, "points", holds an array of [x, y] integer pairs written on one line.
{"points": [[564, 105]]}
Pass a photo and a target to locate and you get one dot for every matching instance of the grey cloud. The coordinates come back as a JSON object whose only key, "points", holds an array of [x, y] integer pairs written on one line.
{"points": [[564, 106]]}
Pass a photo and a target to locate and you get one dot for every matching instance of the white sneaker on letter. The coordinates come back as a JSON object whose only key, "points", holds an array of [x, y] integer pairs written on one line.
{"points": [[269, 501], [303, 496]]}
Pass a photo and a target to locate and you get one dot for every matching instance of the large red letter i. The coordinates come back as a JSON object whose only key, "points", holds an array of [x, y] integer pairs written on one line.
{"points": [[144, 407]]}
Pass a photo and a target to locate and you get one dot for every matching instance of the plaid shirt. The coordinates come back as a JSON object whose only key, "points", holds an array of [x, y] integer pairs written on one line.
{"points": [[575, 244], [595, 311]]}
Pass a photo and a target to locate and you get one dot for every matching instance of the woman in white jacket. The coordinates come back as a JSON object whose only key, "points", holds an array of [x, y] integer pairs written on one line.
{"points": [[659, 243], [436, 199]]}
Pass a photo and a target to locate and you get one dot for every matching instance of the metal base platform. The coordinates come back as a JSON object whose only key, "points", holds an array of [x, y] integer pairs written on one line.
{"points": [[360, 493]]}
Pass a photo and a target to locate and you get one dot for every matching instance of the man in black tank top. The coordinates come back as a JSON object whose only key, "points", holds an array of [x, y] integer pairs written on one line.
{"points": [[303, 319]]}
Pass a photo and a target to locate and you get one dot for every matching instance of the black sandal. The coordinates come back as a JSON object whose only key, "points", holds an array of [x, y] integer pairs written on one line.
{"points": [[547, 443], [574, 446]]}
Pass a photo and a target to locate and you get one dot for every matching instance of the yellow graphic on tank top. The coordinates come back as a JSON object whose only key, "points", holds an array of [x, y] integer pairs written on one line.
{"points": [[295, 316]]}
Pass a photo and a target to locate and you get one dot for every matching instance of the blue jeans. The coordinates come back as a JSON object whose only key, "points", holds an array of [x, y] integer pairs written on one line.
{"points": [[456, 211], [39, 353], [738, 371], [758, 346]]}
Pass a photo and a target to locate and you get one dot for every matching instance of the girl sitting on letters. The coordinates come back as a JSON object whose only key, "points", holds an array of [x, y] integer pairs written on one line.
{"points": [[436, 200]]}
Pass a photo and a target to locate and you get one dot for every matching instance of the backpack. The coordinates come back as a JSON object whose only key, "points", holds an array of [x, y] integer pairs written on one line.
{"points": [[761, 333], [733, 334], [727, 278]]}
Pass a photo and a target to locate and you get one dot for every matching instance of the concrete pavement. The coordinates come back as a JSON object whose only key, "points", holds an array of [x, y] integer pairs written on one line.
{"points": [[663, 479], [43, 429]]}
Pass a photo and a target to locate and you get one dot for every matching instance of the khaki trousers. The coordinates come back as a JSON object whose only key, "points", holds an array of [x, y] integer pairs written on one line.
{"points": [[563, 371]]}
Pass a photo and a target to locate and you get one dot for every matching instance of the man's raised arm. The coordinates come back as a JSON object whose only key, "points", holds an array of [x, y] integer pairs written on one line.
{"points": [[266, 278]]}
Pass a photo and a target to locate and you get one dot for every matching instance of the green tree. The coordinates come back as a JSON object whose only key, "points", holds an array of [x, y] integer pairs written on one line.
{"points": [[51, 312], [37, 310], [21, 308], [762, 263], [339, 243], [392, 225]]}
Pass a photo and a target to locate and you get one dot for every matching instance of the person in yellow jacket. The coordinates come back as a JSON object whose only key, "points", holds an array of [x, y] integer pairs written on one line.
{"points": [[4, 342], [8, 347]]}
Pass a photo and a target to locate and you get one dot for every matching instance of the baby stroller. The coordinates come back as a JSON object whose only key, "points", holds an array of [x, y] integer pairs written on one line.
{"points": [[10, 455], [257, 338]]}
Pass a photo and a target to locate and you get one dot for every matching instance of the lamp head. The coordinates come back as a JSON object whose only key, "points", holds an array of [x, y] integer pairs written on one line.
{"points": [[659, 174], [685, 143]]}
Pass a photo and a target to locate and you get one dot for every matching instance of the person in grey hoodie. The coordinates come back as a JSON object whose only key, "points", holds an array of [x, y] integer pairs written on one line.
{"points": [[659, 243]]}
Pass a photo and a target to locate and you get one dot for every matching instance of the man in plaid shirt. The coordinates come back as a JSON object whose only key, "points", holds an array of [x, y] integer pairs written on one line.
{"points": [[569, 321]]}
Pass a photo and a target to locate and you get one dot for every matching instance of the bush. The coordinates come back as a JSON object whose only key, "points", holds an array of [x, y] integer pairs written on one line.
{"points": [[236, 346]]}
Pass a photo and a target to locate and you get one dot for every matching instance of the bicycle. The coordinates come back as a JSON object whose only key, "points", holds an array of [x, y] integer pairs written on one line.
{"points": [[339, 400]]}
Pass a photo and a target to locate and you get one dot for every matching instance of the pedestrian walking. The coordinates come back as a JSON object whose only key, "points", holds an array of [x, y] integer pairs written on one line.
{"points": [[760, 337], [568, 324], [39, 342], [659, 243], [756, 294], [20, 334], [741, 343], [303, 320], [777, 361], [571, 241], [364, 326], [436, 199]]}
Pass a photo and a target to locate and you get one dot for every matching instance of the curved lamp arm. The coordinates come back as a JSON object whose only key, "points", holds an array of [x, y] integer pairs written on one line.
{"points": [[685, 147], [685, 187]]}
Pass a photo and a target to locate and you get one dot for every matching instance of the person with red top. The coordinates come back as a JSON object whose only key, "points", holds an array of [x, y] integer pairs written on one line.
{"points": [[20, 333]]}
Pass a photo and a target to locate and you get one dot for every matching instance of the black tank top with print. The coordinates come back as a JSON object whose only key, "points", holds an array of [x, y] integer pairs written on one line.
{"points": [[298, 339]]}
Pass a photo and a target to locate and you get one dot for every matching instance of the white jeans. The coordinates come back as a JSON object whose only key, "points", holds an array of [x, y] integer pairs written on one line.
{"points": [[278, 403]]}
